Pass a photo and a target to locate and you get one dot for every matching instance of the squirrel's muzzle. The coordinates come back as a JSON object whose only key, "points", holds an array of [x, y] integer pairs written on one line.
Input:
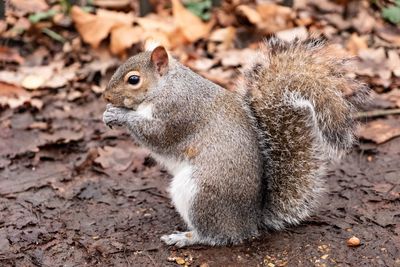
{"points": [[107, 96]]}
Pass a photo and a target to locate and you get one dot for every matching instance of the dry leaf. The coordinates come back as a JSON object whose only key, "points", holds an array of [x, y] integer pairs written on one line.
{"points": [[192, 27], [111, 3], [392, 96], [380, 131], [356, 43], [32, 82], [293, 33], [8, 54], [275, 17], [225, 36], [95, 28], [236, 57], [113, 157], [364, 22], [394, 62], [373, 63], [163, 30], [13, 96], [54, 75], [249, 13], [30, 6], [202, 64], [124, 37], [390, 34]]}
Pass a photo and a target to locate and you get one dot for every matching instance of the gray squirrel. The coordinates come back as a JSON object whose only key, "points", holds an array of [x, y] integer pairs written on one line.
{"points": [[243, 161]]}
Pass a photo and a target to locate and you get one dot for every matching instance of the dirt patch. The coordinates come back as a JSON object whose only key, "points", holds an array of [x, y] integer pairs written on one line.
{"points": [[63, 204]]}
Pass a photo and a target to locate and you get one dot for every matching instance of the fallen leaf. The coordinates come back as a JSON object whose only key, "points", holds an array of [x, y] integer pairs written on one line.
{"points": [[251, 14], [293, 33], [236, 57], [393, 96], [379, 131], [8, 54], [123, 37], [373, 63], [192, 27], [13, 96], [274, 17], [202, 64], [394, 62], [112, 3], [114, 157], [54, 75], [30, 6], [356, 43], [95, 28], [364, 22], [390, 34], [163, 30], [225, 36], [32, 82]]}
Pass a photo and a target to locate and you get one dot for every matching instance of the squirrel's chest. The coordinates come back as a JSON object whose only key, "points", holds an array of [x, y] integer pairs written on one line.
{"points": [[183, 187]]}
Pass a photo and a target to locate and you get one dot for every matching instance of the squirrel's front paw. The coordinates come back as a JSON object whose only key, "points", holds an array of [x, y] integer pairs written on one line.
{"points": [[114, 116]]}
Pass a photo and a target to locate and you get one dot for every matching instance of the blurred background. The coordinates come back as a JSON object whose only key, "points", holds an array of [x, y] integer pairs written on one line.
{"points": [[74, 193]]}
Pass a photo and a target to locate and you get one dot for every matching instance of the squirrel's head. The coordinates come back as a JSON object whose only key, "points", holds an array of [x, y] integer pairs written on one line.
{"points": [[131, 82]]}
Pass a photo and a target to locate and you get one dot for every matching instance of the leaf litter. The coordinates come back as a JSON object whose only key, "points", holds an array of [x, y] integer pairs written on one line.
{"points": [[68, 181]]}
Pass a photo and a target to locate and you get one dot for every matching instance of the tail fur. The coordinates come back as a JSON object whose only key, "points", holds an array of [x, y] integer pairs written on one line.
{"points": [[296, 93]]}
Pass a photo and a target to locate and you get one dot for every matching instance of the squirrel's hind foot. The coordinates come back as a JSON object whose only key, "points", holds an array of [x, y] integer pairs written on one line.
{"points": [[180, 239]]}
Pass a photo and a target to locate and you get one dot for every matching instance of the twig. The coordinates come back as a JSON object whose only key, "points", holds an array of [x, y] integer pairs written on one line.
{"points": [[152, 260], [147, 189], [376, 113]]}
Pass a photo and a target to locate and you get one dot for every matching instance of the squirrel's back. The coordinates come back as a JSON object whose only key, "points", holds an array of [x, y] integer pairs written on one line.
{"points": [[296, 93]]}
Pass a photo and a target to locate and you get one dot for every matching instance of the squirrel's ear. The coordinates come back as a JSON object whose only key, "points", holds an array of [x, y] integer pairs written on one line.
{"points": [[159, 57]]}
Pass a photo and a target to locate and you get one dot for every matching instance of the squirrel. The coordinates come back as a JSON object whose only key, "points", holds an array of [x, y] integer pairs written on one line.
{"points": [[247, 161]]}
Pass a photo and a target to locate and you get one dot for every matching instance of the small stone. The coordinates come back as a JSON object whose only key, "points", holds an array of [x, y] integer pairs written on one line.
{"points": [[180, 261], [353, 241]]}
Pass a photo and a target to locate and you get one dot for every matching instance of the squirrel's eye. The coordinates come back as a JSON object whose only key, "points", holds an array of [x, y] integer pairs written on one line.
{"points": [[134, 79]]}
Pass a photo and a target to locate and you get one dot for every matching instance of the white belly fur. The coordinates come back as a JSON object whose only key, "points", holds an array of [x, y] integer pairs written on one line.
{"points": [[183, 188]]}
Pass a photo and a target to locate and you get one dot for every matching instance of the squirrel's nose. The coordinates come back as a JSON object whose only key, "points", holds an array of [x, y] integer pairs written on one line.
{"points": [[107, 97]]}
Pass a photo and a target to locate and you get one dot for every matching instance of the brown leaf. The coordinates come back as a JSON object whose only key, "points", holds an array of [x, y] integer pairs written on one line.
{"points": [[380, 131], [95, 28], [236, 57], [390, 34], [54, 75], [111, 3], [113, 157], [30, 6], [13, 96], [364, 22], [393, 96], [162, 29], [202, 64], [123, 37], [356, 43], [223, 35], [192, 27], [394, 62], [251, 14], [8, 54], [274, 17], [373, 63], [293, 33]]}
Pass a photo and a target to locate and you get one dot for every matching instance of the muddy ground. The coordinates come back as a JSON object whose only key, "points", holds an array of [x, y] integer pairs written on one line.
{"points": [[73, 196]]}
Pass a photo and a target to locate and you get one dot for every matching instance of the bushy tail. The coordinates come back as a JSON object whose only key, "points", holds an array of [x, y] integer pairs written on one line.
{"points": [[296, 92]]}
